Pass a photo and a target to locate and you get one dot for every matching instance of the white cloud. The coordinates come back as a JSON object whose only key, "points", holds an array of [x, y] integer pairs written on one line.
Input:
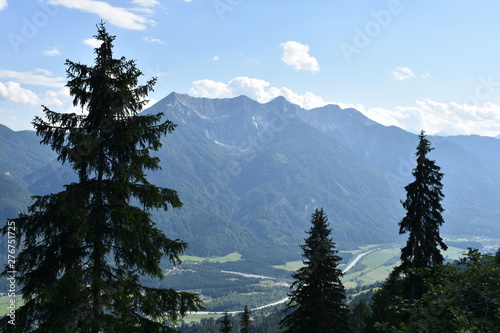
{"points": [[402, 73], [58, 98], [145, 3], [54, 51], [12, 91], [256, 89], [297, 56], [431, 116], [143, 10], [117, 16], [435, 117], [93, 42], [216, 58], [153, 40], [42, 71], [40, 77], [145, 6], [3, 4], [211, 89]]}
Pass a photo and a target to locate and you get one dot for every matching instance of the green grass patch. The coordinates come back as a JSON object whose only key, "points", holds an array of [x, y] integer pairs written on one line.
{"points": [[369, 247], [377, 266], [235, 256], [197, 317], [290, 265], [185, 258], [5, 302], [379, 263], [379, 257]]}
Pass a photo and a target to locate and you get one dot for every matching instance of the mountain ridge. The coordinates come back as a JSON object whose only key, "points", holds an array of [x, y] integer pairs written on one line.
{"points": [[250, 174]]}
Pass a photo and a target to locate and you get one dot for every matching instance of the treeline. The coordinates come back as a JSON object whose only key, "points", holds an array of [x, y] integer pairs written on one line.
{"points": [[268, 320], [232, 301], [221, 291], [261, 321], [212, 281]]}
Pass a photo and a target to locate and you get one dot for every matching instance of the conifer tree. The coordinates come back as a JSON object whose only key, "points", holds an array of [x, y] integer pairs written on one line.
{"points": [[245, 321], [359, 316], [84, 249], [317, 294], [226, 324], [422, 221], [422, 253]]}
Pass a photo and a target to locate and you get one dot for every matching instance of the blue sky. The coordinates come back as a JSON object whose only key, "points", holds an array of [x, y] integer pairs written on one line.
{"points": [[432, 65]]}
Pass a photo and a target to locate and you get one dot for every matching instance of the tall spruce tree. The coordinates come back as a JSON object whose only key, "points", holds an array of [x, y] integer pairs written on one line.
{"points": [[422, 221], [422, 252], [316, 301], [84, 249], [226, 324], [245, 321]]}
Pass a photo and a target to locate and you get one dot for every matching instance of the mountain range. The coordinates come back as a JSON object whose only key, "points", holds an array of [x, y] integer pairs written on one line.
{"points": [[250, 175]]}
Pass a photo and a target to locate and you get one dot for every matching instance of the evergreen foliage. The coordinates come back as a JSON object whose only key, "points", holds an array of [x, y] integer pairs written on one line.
{"points": [[245, 321], [422, 253], [422, 221], [317, 295], [359, 316], [226, 324], [463, 296], [383, 301], [262, 321], [84, 248]]}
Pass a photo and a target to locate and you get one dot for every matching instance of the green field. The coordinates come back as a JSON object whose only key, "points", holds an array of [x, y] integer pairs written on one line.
{"points": [[290, 266], [235, 256], [374, 266], [197, 317], [5, 302]]}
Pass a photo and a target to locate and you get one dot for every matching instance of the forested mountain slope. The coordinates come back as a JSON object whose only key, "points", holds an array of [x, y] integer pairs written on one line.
{"points": [[250, 175]]}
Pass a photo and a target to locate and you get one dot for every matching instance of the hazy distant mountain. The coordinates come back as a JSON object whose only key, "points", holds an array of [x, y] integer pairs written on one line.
{"points": [[20, 156], [250, 175]]}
